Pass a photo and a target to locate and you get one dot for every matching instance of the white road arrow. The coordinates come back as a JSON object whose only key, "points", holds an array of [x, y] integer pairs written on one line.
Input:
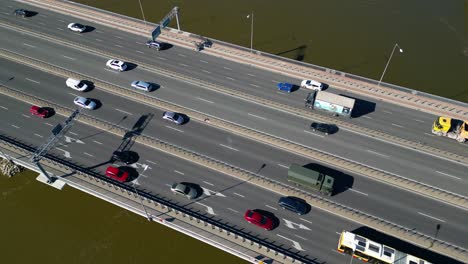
{"points": [[66, 153], [208, 209], [71, 140], [142, 165], [210, 192], [291, 224], [296, 245]]}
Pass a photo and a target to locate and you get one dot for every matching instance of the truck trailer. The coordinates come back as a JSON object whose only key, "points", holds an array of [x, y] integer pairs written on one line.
{"points": [[311, 179], [451, 128], [337, 104]]}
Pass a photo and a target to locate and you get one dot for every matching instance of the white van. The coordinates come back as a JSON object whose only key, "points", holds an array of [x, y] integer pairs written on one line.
{"points": [[311, 84], [76, 84]]}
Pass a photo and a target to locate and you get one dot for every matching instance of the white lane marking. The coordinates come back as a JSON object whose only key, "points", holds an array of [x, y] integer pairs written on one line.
{"points": [[41, 23], [227, 68], [139, 43], [32, 81], [310, 222], [443, 173], [377, 153], [229, 78], [295, 244], [208, 208], [27, 116], [63, 21], [271, 207], [206, 71], [65, 153], [203, 61], [240, 195], [368, 117], [278, 92], [181, 64], [182, 55], [230, 209], [149, 161], [37, 135], [87, 154], [119, 46], [208, 183], [429, 134], [435, 218], [119, 37], [208, 101], [179, 172], [175, 129], [98, 40], [161, 58], [122, 111], [73, 94], [3, 107], [420, 121], [73, 133], [300, 237], [60, 29], [256, 116], [249, 74], [43, 15], [388, 112], [353, 190], [209, 192], [228, 147], [15, 126], [140, 52], [73, 140], [284, 166], [98, 31], [97, 142], [393, 124], [254, 85], [70, 58], [29, 45], [49, 124], [6, 13], [291, 225], [338, 233], [315, 134]]}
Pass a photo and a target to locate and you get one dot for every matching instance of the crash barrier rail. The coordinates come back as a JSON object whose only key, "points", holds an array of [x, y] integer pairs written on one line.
{"points": [[284, 189], [392, 93]]}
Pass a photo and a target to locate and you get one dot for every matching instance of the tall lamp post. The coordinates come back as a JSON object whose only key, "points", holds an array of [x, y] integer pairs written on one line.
{"points": [[388, 62], [139, 197], [251, 31], [143, 14]]}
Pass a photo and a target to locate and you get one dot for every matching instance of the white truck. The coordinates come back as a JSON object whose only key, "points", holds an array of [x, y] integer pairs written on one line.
{"points": [[337, 104]]}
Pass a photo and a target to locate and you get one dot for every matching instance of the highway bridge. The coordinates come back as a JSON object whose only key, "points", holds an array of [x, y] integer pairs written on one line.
{"points": [[212, 88]]}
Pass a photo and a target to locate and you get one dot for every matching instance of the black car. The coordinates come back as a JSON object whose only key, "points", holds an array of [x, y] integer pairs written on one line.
{"points": [[154, 44], [127, 157], [21, 13], [321, 127], [293, 204]]}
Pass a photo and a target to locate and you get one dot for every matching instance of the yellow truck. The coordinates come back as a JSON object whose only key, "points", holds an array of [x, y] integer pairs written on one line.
{"points": [[452, 128]]}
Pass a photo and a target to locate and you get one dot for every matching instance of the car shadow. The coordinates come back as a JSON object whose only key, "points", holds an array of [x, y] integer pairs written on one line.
{"points": [[276, 221], [185, 117], [89, 29], [50, 110], [89, 84], [195, 186], [132, 173], [130, 66], [154, 86], [166, 46], [31, 13], [98, 103], [342, 182]]}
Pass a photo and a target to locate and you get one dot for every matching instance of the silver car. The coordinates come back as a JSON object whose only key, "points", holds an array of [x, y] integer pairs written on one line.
{"points": [[85, 102], [140, 85], [185, 190], [173, 117]]}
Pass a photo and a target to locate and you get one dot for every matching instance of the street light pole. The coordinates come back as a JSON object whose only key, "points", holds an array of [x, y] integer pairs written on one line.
{"points": [[143, 14], [139, 197], [388, 62], [251, 31]]}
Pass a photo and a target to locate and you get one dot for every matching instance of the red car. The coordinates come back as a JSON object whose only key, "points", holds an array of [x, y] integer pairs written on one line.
{"points": [[259, 219], [39, 111], [117, 174]]}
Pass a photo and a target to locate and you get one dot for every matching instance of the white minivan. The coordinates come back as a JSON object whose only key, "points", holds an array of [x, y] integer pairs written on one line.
{"points": [[311, 84], [76, 84]]}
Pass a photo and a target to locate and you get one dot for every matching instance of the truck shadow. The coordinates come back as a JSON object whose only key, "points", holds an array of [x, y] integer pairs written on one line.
{"points": [[342, 182], [361, 107], [404, 246]]}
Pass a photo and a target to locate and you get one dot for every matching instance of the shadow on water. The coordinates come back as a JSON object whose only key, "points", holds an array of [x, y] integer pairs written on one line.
{"points": [[296, 53]]}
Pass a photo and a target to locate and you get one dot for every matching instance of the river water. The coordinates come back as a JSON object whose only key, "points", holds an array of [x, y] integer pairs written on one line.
{"points": [[41, 224]]}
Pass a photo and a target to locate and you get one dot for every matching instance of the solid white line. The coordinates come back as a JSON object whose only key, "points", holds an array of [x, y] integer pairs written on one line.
{"points": [[305, 220], [284, 166], [376, 153], [70, 58], [3, 107], [206, 71], [208, 183], [229, 78], [27, 116], [181, 64], [119, 46], [97, 142], [228, 147], [161, 58], [199, 98], [48, 124], [29, 45], [176, 171], [254, 85], [240, 195], [300, 237], [249, 74], [182, 55], [87, 154], [435, 218], [315, 134], [353, 190], [227, 68], [73, 133], [122, 111], [203, 61], [388, 112], [149, 161], [15, 126], [256, 116], [175, 129], [443, 173], [420, 121], [140, 52], [232, 210], [271, 207], [396, 125], [98, 39], [37, 135], [32, 81]]}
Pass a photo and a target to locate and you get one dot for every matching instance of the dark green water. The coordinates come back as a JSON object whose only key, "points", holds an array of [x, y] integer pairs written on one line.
{"points": [[352, 36]]}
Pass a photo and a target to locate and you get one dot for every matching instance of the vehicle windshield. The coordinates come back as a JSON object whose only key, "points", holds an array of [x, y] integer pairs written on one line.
{"points": [[80, 84]]}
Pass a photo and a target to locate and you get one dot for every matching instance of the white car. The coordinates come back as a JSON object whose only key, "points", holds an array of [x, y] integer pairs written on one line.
{"points": [[76, 84], [85, 103], [140, 85], [173, 117], [311, 84], [116, 65], [76, 27]]}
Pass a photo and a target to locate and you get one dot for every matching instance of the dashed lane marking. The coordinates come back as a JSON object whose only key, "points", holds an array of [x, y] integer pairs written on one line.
{"points": [[179, 172], [203, 61], [230, 209], [208, 183], [122, 111], [228, 147], [208, 101], [284, 166], [229, 78], [70, 58], [432, 217], [271, 207], [256, 116], [97, 142], [15, 126], [87, 154], [240, 195], [27, 116], [448, 175], [353, 190], [37, 135], [29, 45], [178, 130], [32, 81], [206, 71], [377, 153]]}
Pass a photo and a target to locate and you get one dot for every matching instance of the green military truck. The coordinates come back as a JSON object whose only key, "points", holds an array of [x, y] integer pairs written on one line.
{"points": [[311, 179]]}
